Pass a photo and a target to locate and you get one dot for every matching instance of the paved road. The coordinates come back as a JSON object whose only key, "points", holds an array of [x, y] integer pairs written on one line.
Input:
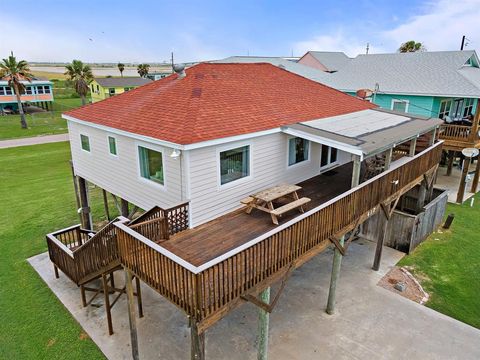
{"points": [[33, 140]]}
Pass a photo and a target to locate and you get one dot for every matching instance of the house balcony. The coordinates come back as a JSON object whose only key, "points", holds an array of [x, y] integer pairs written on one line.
{"points": [[7, 99], [208, 270], [459, 137]]}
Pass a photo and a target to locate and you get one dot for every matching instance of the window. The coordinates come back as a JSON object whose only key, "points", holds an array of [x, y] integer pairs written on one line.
{"points": [[85, 142], [297, 150], [234, 164], [93, 88], [127, 88], [400, 105], [329, 156], [111, 91], [28, 90], [112, 145], [6, 90], [2, 90], [40, 89], [445, 106], [46, 88], [468, 107], [151, 164]]}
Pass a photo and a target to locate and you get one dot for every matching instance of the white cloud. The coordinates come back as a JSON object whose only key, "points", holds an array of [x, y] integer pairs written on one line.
{"points": [[440, 26]]}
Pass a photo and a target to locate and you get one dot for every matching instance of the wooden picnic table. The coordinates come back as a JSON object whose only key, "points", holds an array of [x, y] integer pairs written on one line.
{"points": [[264, 199]]}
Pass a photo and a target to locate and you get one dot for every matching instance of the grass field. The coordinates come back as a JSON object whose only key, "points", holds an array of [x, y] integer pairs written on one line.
{"points": [[37, 195], [49, 75], [448, 265]]}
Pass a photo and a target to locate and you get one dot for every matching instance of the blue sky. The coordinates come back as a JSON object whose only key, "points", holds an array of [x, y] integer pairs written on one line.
{"points": [[138, 31]]}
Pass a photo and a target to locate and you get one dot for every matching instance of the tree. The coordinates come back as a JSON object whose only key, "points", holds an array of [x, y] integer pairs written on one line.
{"points": [[411, 46], [81, 76], [142, 69], [15, 72], [121, 67]]}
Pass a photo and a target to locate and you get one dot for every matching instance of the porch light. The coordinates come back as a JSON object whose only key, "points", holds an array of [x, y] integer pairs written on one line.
{"points": [[175, 154]]}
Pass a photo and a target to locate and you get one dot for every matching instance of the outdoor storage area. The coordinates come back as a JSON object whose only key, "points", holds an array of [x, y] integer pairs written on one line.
{"points": [[410, 223]]}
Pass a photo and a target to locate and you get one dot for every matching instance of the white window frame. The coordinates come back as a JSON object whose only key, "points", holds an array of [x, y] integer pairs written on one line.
{"points": [[116, 146], [162, 151], [445, 101], [329, 164], [89, 144], [407, 104], [242, 180], [309, 154], [471, 103]]}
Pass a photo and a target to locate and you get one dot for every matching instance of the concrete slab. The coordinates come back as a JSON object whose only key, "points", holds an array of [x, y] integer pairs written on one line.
{"points": [[370, 323], [452, 182]]}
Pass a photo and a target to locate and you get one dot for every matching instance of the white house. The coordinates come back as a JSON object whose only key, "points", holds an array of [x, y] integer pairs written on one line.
{"points": [[219, 132]]}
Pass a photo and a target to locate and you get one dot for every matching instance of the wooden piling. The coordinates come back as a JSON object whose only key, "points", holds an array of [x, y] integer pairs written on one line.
{"points": [[451, 157], [476, 176], [131, 314], [263, 324], [379, 248], [124, 208], [84, 204], [337, 263], [197, 342], [461, 188], [413, 147], [106, 296]]}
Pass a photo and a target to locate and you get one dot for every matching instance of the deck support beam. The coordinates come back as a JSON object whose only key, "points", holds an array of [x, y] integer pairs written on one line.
{"points": [[451, 157], [476, 176], [413, 147], [388, 158], [387, 211], [356, 171], [131, 314], [337, 263], [263, 324], [197, 342], [461, 188], [84, 204], [124, 208]]}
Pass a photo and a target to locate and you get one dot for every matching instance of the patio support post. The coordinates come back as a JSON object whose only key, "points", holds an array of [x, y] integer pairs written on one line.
{"points": [[413, 147], [337, 262], [461, 188], [131, 314], [198, 342], [431, 141], [451, 157], [263, 324], [356, 171], [422, 193], [388, 158], [476, 176], [84, 204], [105, 204], [124, 208]]}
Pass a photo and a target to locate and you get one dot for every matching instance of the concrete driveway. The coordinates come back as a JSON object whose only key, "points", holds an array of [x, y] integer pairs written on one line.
{"points": [[46, 139], [371, 322]]}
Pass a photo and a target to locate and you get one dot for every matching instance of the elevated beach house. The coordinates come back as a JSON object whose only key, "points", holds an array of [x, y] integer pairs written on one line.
{"points": [[245, 171], [38, 92], [102, 88]]}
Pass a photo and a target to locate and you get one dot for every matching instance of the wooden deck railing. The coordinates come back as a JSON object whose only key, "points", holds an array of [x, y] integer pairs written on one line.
{"points": [[456, 132], [81, 253], [207, 292]]}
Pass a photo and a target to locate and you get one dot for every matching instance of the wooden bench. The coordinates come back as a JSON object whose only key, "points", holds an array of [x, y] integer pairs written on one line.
{"points": [[290, 206], [247, 200]]}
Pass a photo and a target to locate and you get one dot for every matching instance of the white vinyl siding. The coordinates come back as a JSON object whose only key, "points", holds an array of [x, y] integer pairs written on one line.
{"points": [[268, 167], [121, 175]]}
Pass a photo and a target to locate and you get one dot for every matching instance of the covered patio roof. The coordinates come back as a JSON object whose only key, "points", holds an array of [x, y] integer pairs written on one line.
{"points": [[364, 133]]}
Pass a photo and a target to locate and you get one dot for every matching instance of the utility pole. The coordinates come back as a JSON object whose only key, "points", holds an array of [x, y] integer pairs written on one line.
{"points": [[463, 42], [172, 63], [368, 48]]}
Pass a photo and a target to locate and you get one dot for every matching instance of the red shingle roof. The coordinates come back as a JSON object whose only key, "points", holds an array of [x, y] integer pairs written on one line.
{"points": [[219, 100]]}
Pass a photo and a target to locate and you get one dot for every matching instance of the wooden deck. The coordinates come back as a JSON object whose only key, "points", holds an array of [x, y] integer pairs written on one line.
{"points": [[212, 239], [459, 137]]}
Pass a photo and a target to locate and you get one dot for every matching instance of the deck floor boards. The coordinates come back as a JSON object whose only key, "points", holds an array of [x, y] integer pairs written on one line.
{"points": [[229, 231]]}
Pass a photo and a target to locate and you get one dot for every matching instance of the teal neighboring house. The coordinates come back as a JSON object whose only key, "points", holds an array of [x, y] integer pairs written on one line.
{"points": [[444, 84]]}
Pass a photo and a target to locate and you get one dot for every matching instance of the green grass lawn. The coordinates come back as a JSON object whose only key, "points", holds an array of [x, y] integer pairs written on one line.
{"points": [[44, 123], [448, 265], [37, 197]]}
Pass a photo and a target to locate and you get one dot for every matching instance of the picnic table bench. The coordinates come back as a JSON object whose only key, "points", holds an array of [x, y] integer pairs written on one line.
{"points": [[263, 201]]}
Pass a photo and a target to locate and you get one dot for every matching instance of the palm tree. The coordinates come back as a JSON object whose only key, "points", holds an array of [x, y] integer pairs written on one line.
{"points": [[121, 67], [81, 75], [411, 46], [15, 72], [142, 69]]}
